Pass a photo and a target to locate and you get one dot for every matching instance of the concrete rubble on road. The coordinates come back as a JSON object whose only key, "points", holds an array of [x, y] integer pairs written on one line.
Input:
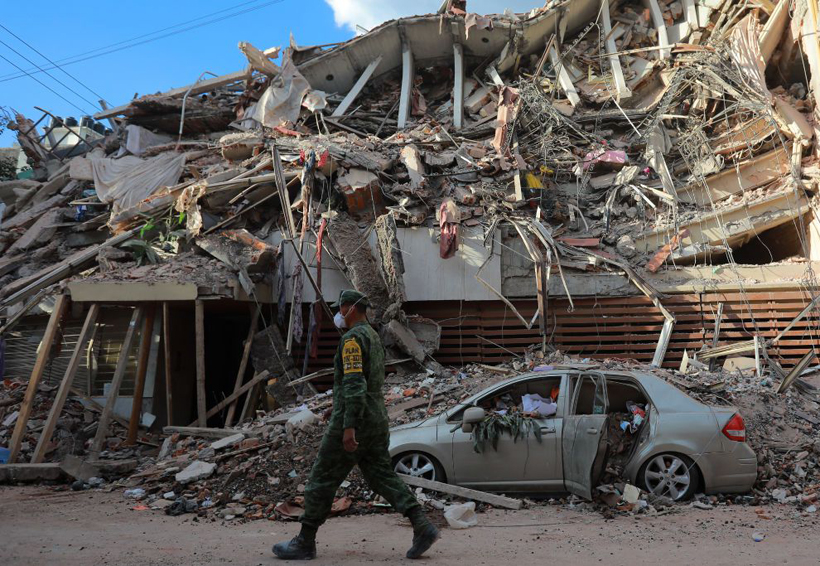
{"points": [[520, 164]]}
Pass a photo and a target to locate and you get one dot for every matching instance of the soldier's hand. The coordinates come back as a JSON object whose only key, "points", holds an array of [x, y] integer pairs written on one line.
{"points": [[349, 440]]}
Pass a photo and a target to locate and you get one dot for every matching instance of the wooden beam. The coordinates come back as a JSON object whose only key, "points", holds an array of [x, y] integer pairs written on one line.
{"points": [[492, 499], [204, 432], [65, 384], [251, 400], [407, 79], [142, 368], [243, 364], [50, 335], [196, 88], [458, 86], [231, 399], [201, 409], [166, 345], [357, 88], [116, 382]]}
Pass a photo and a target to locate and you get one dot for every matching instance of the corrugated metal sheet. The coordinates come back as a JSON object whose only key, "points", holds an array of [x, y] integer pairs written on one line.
{"points": [[622, 327]]}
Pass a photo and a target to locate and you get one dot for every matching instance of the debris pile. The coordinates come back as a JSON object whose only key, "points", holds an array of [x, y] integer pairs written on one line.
{"points": [[72, 432], [624, 137]]}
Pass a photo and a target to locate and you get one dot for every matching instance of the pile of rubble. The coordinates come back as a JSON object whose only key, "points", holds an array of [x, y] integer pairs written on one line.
{"points": [[71, 433], [260, 470]]}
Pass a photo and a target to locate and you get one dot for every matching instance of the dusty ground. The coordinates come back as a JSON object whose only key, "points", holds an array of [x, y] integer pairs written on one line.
{"points": [[40, 526]]}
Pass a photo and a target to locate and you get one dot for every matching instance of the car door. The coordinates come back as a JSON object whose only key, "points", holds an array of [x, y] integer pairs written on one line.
{"points": [[583, 428], [491, 469], [545, 462]]}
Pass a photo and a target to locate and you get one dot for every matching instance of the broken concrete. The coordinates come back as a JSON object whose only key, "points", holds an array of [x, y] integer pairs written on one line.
{"points": [[197, 470]]}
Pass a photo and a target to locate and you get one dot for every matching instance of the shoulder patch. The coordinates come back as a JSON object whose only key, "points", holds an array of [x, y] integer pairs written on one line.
{"points": [[351, 356]]}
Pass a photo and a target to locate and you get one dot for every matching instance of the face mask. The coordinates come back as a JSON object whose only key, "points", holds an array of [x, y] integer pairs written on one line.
{"points": [[339, 320]]}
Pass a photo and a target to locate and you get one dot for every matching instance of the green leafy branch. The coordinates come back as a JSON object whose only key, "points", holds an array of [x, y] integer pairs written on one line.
{"points": [[157, 236], [494, 425]]}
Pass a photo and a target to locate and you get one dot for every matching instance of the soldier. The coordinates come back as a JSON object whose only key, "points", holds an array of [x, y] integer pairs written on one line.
{"points": [[357, 434]]}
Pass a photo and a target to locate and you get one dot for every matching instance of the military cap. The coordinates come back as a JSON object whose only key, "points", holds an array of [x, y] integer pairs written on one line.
{"points": [[350, 296]]}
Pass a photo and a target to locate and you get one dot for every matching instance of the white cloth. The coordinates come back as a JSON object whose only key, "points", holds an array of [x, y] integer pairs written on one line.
{"points": [[126, 182], [534, 403], [282, 101]]}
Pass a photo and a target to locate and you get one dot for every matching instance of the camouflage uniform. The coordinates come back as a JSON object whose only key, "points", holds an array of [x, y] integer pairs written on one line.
{"points": [[358, 403]]}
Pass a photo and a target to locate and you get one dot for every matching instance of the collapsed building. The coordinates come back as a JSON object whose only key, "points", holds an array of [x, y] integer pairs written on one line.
{"points": [[631, 179]]}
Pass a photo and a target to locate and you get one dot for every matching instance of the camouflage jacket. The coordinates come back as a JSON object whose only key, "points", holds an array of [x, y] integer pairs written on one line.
{"points": [[358, 380]]}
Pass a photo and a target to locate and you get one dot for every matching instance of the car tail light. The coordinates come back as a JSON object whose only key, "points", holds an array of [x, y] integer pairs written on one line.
{"points": [[735, 429]]}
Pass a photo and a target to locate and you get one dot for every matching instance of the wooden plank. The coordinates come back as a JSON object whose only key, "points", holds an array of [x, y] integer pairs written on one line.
{"points": [[196, 88], [251, 400], [243, 365], [65, 384], [116, 382], [49, 337], [258, 378], [204, 432], [357, 88], [492, 499], [142, 369], [201, 409], [166, 344]]}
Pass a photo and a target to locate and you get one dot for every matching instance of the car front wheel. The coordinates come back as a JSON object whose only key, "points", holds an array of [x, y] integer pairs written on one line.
{"points": [[672, 475], [420, 465]]}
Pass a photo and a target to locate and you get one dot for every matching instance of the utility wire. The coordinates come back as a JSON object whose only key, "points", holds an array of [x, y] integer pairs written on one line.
{"points": [[79, 58], [93, 104], [42, 83], [75, 79]]}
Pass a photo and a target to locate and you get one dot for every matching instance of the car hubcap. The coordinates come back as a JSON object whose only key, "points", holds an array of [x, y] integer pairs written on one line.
{"points": [[668, 476], [417, 465]]}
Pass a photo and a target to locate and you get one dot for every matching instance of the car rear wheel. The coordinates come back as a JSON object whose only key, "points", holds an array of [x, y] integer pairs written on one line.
{"points": [[672, 475], [419, 465]]}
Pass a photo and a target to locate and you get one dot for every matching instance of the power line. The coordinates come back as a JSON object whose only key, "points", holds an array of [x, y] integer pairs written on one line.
{"points": [[75, 59], [93, 104], [27, 44], [42, 83]]}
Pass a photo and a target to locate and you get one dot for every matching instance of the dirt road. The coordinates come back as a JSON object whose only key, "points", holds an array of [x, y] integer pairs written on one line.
{"points": [[40, 526]]}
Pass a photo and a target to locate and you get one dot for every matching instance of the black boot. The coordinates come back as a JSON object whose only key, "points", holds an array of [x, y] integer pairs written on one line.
{"points": [[298, 548], [424, 533]]}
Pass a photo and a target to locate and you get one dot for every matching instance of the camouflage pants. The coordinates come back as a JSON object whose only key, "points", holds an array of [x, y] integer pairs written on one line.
{"points": [[332, 466]]}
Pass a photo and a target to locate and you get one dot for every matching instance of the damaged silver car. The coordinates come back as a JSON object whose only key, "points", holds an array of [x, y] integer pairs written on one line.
{"points": [[680, 446]]}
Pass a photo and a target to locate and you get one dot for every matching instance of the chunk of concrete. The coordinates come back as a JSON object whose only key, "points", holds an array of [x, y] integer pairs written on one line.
{"points": [[78, 468], [227, 441], [196, 471], [27, 473]]}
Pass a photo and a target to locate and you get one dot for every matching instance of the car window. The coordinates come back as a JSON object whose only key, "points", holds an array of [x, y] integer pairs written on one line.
{"points": [[588, 395], [541, 394]]}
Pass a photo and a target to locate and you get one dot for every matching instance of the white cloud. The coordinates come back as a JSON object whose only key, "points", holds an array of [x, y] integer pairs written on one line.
{"points": [[370, 13]]}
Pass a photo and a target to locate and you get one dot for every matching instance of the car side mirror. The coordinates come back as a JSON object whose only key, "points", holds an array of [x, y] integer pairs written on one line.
{"points": [[472, 416]]}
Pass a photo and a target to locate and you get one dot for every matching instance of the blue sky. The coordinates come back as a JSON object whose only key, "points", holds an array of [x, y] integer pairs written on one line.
{"points": [[61, 30]]}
